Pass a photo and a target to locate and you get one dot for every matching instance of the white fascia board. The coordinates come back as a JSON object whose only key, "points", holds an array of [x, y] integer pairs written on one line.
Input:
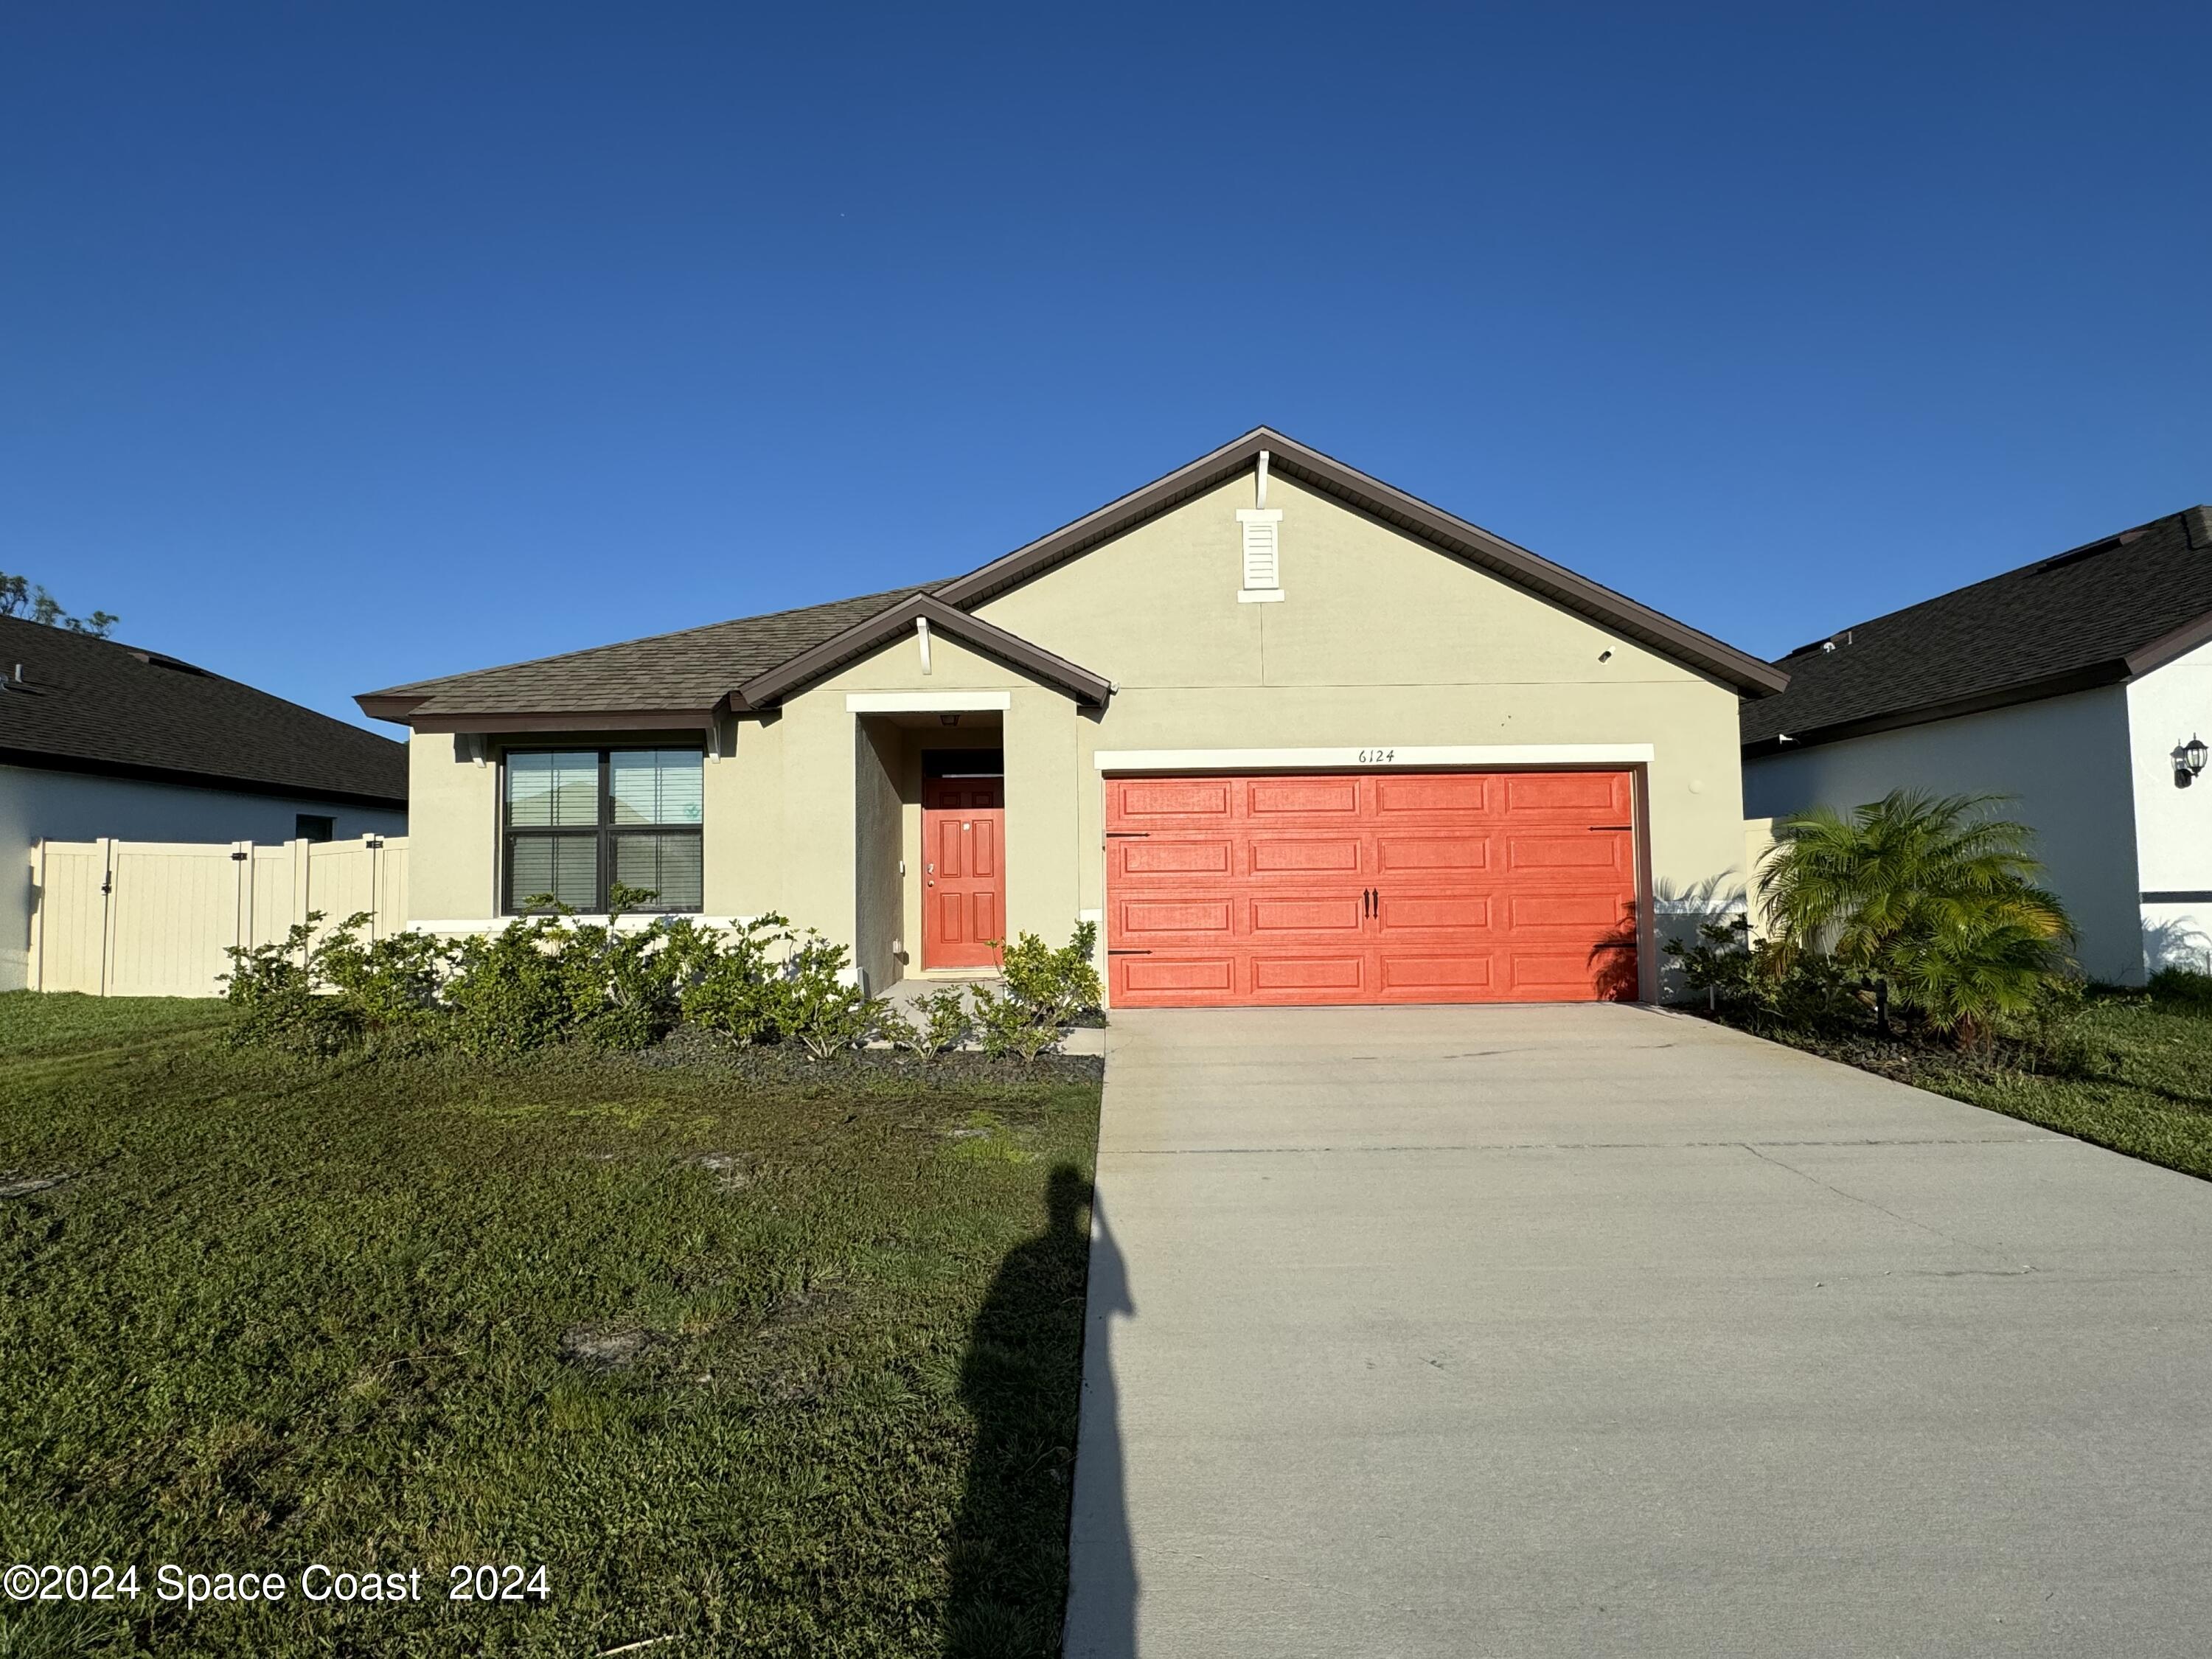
{"points": [[1382, 756], [925, 702]]}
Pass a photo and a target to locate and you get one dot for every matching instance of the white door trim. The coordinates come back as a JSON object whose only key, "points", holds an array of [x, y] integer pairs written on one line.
{"points": [[1379, 757], [925, 702]]}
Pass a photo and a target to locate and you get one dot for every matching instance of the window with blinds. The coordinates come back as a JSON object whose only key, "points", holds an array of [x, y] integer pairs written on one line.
{"points": [[583, 821]]}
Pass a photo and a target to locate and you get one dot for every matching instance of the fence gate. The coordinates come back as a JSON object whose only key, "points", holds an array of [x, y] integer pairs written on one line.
{"points": [[154, 919]]}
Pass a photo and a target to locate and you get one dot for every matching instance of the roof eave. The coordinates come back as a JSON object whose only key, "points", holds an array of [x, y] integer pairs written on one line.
{"points": [[44, 760], [2113, 672], [2179, 642]]}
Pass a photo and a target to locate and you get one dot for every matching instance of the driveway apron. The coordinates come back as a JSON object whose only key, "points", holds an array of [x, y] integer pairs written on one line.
{"points": [[1601, 1330]]}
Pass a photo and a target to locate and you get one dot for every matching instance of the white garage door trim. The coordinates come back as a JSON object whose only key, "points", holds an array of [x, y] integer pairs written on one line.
{"points": [[1454, 755]]}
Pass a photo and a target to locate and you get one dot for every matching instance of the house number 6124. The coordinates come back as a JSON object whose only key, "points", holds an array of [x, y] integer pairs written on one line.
{"points": [[1372, 756]]}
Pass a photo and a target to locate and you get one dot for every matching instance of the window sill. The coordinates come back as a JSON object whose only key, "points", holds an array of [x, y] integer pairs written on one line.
{"points": [[1258, 595]]}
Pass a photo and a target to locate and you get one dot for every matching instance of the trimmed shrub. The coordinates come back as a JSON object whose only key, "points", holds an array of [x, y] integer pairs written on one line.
{"points": [[937, 1023]]}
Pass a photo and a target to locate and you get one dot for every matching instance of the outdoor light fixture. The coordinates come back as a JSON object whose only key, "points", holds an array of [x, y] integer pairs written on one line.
{"points": [[2189, 760], [954, 719]]}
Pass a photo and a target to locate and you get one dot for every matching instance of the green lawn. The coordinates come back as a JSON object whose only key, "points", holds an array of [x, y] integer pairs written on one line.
{"points": [[2146, 1088], [765, 1367]]}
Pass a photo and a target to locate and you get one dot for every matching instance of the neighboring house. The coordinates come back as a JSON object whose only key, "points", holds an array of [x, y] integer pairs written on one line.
{"points": [[2073, 685], [1290, 734], [98, 738]]}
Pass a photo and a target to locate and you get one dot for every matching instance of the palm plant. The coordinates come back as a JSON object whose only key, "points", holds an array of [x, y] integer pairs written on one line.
{"points": [[1932, 898]]}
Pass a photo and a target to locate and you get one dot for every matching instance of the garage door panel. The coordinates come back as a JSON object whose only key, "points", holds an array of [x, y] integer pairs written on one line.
{"points": [[1563, 850], [1587, 914], [1529, 795], [1464, 972], [1210, 855], [1271, 854], [1457, 795], [1463, 913], [1557, 975], [1174, 976], [1137, 919], [1141, 801], [1316, 913], [1305, 798], [1416, 854], [1343, 973], [1419, 887]]}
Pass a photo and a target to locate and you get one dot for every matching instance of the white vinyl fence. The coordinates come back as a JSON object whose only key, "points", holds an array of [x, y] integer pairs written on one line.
{"points": [[153, 918]]}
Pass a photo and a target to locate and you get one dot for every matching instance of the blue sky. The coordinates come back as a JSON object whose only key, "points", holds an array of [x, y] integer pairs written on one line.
{"points": [[346, 345]]}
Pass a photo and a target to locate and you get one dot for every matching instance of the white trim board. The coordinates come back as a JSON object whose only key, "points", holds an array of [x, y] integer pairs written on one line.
{"points": [[1381, 758], [925, 702]]}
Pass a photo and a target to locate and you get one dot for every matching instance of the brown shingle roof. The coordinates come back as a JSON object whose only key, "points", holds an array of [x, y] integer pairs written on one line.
{"points": [[2095, 615], [693, 669], [89, 704]]}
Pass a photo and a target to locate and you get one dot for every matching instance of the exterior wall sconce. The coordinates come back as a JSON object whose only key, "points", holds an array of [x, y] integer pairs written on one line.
{"points": [[954, 719], [2189, 760]]}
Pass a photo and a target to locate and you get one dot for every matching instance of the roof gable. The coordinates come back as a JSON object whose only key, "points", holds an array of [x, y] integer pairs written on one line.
{"points": [[1416, 517], [864, 636]]}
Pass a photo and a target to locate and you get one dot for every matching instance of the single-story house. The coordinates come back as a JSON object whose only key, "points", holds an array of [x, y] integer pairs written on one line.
{"points": [[2076, 685], [1290, 734], [98, 738]]}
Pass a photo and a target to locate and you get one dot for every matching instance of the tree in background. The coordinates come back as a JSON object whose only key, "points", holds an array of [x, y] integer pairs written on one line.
{"points": [[20, 597], [1934, 899]]}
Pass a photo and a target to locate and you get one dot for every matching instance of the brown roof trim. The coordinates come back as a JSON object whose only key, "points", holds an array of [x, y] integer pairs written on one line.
{"points": [[2056, 685], [569, 719], [1288, 457], [2181, 641], [385, 706], [41, 759], [778, 683]]}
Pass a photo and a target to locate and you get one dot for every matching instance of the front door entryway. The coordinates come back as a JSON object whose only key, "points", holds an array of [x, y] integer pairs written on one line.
{"points": [[963, 823]]}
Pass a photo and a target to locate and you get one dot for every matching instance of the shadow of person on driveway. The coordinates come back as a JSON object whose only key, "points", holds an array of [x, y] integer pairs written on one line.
{"points": [[1021, 1382]]}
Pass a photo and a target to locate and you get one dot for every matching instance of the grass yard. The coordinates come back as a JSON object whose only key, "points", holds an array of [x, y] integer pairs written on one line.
{"points": [[762, 1366], [2145, 1089]]}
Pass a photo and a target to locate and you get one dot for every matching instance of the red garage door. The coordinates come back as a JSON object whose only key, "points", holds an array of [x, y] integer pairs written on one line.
{"points": [[1373, 887]]}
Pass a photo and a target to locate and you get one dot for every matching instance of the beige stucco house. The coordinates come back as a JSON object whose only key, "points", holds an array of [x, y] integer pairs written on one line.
{"points": [[1288, 734]]}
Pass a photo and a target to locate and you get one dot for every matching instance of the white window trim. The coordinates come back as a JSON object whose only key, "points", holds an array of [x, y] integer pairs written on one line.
{"points": [[926, 703], [1377, 757]]}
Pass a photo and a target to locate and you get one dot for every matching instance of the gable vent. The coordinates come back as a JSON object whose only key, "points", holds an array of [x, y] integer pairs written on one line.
{"points": [[1263, 566]]}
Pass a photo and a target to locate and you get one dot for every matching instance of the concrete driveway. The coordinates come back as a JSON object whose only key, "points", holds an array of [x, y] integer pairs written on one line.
{"points": [[1600, 1330]]}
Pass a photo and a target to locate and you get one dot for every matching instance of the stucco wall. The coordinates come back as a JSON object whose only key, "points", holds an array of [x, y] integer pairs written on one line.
{"points": [[878, 899], [2063, 760], [41, 805], [2174, 826]]}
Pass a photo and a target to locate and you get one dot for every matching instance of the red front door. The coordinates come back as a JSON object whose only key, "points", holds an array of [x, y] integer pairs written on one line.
{"points": [[964, 825]]}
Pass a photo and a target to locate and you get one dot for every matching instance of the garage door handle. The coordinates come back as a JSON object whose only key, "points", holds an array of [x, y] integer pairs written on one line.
{"points": [[1595, 828], [1370, 902]]}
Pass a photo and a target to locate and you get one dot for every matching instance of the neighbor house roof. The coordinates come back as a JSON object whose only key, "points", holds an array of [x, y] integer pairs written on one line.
{"points": [[84, 704], [679, 678], [2095, 615]]}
